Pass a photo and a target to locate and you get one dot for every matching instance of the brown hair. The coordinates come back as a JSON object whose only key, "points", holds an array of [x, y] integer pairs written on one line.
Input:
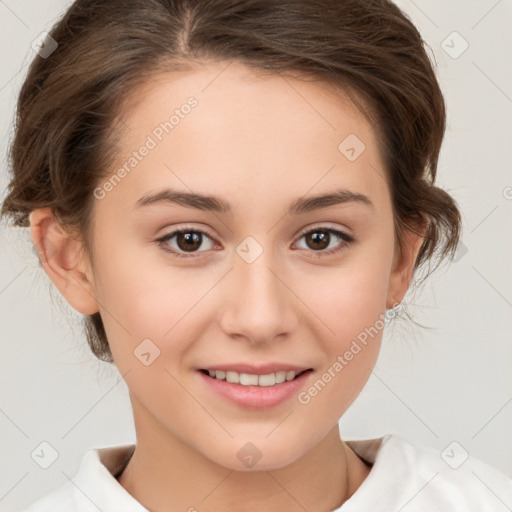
{"points": [[70, 100]]}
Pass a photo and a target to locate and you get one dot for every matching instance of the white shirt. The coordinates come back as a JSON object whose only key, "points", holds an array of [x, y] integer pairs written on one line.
{"points": [[403, 478]]}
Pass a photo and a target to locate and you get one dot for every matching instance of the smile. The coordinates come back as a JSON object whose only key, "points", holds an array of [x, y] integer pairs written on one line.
{"points": [[249, 379]]}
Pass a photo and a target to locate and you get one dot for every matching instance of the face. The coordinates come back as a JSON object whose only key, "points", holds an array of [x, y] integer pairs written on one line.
{"points": [[261, 279]]}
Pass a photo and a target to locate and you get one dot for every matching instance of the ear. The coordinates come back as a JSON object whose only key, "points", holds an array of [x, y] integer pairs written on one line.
{"points": [[61, 257], [403, 264]]}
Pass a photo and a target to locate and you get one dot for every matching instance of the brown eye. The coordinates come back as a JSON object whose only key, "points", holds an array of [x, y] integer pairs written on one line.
{"points": [[188, 240], [320, 239], [184, 241]]}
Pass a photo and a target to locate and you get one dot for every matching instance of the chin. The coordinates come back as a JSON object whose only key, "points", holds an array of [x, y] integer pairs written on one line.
{"points": [[258, 456]]}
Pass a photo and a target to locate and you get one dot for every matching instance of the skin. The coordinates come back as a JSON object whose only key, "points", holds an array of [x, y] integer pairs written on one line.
{"points": [[259, 143]]}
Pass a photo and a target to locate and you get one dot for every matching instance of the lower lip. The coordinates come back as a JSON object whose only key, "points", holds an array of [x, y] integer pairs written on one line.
{"points": [[256, 397]]}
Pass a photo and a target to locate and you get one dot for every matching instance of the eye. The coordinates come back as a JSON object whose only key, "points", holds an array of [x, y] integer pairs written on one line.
{"points": [[322, 237], [186, 241], [189, 240]]}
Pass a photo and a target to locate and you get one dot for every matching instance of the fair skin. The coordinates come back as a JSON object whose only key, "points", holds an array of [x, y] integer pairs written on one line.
{"points": [[254, 142]]}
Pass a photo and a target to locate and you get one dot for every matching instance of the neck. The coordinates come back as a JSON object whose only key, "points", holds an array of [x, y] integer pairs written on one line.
{"points": [[166, 474]]}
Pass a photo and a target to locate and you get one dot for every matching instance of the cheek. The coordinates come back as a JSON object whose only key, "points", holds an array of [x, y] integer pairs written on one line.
{"points": [[351, 303], [350, 298], [141, 300]]}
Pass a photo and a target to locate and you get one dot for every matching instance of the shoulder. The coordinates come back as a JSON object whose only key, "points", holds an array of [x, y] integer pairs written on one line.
{"points": [[421, 478], [62, 499], [74, 494], [456, 474], [93, 487]]}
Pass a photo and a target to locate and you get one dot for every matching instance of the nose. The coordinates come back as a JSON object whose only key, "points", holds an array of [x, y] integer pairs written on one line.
{"points": [[258, 304]]}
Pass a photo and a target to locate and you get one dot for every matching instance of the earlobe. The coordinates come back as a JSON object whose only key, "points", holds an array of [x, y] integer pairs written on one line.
{"points": [[60, 256], [403, 267]]}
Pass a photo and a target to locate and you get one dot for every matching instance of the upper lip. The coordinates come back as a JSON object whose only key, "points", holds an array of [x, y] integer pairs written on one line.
{"points": [[263, 369]]}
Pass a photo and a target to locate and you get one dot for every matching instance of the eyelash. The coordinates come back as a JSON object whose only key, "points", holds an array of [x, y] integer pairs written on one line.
{"points": [[347, 239]]}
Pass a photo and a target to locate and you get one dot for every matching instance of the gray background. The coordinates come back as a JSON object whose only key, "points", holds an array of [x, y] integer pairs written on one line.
{"points": [[448, 383]]}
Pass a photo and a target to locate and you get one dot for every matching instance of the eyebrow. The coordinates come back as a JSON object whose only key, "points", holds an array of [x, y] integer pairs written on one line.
{"points": [[215, 204]]}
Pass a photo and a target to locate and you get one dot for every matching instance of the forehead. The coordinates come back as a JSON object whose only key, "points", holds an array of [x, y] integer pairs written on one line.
{"points": [[247, 130]]}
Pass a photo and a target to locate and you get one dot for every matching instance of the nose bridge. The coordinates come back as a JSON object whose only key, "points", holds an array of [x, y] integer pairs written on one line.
{"points": [[258, 305]]}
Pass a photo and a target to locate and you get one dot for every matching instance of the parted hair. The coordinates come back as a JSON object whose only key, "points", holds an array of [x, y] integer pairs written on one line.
{"points": [[65, 126]]}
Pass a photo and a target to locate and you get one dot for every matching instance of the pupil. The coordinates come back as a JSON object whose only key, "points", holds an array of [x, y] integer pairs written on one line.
{"points": [[319, 239], [189, 241]]}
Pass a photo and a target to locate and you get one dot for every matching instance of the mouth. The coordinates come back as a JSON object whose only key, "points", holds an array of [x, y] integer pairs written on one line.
{"points": [[254, 379], [256, 388]]}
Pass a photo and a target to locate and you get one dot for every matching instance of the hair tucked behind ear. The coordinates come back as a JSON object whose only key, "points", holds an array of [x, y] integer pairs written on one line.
{"points": [[67, 109]]}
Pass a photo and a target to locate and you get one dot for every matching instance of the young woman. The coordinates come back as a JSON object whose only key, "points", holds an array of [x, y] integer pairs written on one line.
{"points": [[237, 195]]}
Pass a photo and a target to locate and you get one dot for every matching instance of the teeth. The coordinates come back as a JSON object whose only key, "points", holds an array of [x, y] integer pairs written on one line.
{"points": [[233, 377], [248, 379], [280, 377]]}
